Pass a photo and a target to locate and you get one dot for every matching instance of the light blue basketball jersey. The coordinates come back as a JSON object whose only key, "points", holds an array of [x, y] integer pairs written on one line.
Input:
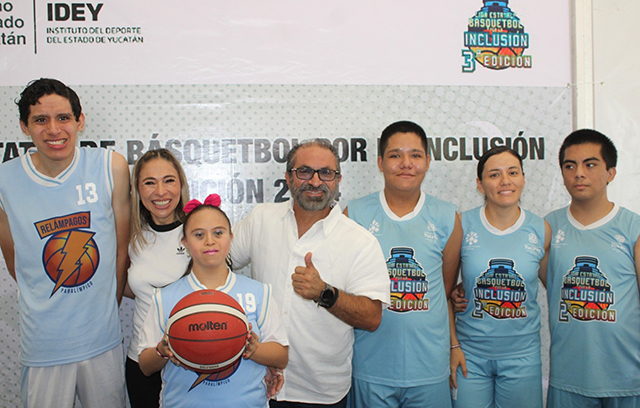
{"points": [[243, 388], [411, 346], [64, 233], [594, 305], [500, 277]]}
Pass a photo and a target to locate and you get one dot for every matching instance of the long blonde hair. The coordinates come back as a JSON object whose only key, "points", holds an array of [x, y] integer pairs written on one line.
{"points": [[140, 215]]}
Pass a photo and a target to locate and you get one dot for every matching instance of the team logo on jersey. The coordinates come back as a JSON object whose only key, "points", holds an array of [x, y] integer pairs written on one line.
{"points": [[471, 238], [500, 292], [431, 233], [533, 246], [374, 227], [618, 244], [70, 256], [495, 38], [558, 237], [215, 379], [409, 283], [586, 294]]}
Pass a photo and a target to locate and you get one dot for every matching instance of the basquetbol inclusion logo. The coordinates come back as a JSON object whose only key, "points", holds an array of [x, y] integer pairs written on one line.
{"points": [[500, 292], [495, 38], [586, 294]]}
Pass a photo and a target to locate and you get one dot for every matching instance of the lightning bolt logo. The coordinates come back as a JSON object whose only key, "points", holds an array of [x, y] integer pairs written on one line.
{"points": [[73, 250], [201, 378]]}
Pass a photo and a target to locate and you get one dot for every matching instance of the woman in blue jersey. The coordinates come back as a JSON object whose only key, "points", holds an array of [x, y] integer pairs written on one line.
{"points": [[504, 253], [157, 256]]}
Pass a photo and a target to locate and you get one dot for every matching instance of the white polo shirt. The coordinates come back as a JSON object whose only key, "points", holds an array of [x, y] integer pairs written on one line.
{"points": [[347, 256]]}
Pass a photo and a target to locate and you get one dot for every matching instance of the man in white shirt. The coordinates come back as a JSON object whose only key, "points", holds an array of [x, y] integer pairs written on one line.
{"points": [[328, 276]]}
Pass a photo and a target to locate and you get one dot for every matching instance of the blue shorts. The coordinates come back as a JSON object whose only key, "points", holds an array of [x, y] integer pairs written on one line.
{"points": [[514, 382], [564, 399], [369, 395]]}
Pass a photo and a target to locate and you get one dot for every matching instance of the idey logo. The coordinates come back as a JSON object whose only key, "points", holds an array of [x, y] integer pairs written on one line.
{"points": [[495, 38], [73, 11]]}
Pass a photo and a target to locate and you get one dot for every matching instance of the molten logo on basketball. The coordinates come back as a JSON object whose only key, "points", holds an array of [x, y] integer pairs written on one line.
{"points": [[70, 256], [208, 326]]}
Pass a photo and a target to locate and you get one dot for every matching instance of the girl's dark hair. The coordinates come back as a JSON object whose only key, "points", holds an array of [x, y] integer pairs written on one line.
{"points": [[492, 152], [184, 232]]}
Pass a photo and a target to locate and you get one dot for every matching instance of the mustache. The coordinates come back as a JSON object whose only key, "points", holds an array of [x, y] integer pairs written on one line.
{"points": [[308, 187]]}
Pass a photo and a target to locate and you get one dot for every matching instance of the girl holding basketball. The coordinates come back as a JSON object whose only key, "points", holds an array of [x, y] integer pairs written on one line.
{"points": [[503, 255], [157, 255], [207, 236]]}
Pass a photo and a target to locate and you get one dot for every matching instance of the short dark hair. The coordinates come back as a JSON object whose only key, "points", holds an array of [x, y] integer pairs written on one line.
{"points": [[403, 126], [38, 88], [607, 148], [324, 143], [492, 152]]}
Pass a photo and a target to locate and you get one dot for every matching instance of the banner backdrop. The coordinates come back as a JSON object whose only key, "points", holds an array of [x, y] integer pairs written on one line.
{"points": [[229, 88]]}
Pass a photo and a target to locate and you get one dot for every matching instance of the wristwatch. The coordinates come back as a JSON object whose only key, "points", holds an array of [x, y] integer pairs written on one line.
{"points": [[328, 296]]}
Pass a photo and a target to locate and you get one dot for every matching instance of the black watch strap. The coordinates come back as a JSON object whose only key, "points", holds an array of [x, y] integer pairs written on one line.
{"points": [[328, 297]]}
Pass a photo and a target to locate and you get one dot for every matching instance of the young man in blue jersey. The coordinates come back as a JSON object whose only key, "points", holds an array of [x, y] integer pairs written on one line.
{"points": [[592, 284], [64, 231], [405, 363]]}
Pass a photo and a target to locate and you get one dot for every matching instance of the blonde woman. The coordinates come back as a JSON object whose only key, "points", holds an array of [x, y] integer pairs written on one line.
{"points": [[158, 257]]}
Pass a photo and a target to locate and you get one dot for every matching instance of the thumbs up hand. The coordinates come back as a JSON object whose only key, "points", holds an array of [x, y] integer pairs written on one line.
{"points": [[306, 280]]}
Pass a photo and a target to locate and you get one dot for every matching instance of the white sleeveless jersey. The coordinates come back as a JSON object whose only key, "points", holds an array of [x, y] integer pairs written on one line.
{"points": [[64, 233]]}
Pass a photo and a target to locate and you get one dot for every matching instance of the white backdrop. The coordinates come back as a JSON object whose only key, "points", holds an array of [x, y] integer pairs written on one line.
{"points": [[230, 87], [617, 91]]}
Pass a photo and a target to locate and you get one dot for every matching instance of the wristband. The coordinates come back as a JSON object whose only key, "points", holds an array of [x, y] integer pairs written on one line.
{"points": [[453, 346], [160, 354]]}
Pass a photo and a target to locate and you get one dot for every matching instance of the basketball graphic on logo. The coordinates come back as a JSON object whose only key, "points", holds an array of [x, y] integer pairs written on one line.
{"points": [[70, 258]]}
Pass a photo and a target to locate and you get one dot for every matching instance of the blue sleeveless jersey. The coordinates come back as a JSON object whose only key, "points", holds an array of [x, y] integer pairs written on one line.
{"points": [[64, 233], [594, 305], [241, 388], [500, 278], [411, 346]]}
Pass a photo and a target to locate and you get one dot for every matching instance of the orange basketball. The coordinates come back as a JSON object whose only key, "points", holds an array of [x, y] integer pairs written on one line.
{"points": [[207, 331]]}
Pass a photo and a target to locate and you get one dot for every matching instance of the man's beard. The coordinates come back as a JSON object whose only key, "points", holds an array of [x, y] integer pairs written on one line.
{"points": [[313, 203]]}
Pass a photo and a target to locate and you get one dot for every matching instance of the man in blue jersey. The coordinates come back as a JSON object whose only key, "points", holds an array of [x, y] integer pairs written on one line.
{"points": [[64, 230], [592, 284], [405, 363]]}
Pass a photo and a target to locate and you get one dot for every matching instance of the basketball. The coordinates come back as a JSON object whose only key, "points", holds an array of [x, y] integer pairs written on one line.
{"points": [[207, 331]]}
